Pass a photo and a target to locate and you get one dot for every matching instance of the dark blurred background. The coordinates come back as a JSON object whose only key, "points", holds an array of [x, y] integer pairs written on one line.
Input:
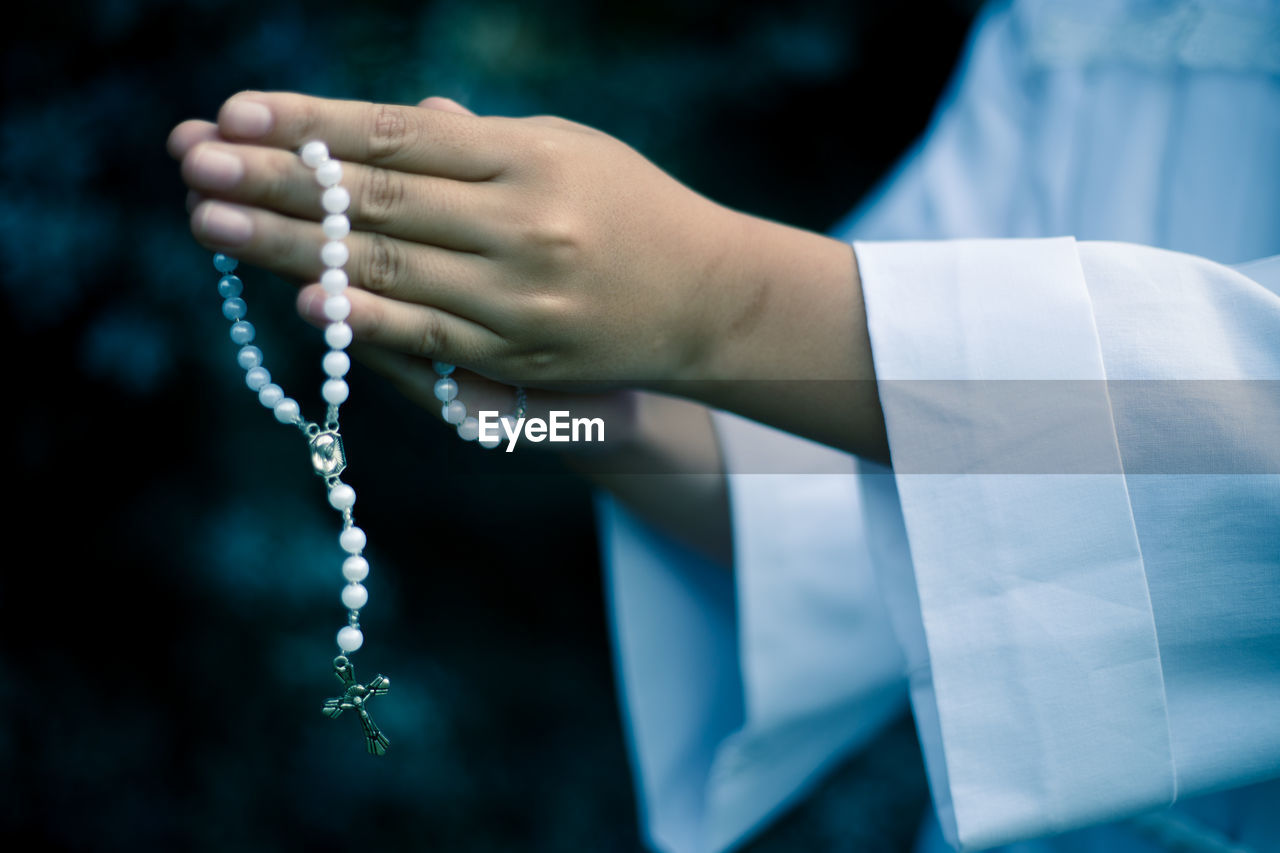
{"points": [[171, 589]]}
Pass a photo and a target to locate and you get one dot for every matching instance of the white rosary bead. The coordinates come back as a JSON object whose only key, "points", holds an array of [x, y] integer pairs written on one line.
{"points": [[355, 568], [314, 153], [350, 639], [352, 540], [454, 412], [336, 226], [337, 308], [256, 378], [334, 253], [342, 497], [270, 395], [446, 389], [354, 596], [336, 363], [230, 286], [242, 332], [336, 200], [249, 357], [335, 391], [334, 281], [328, 173], [287, 410], [234, 308], [338, 335]]}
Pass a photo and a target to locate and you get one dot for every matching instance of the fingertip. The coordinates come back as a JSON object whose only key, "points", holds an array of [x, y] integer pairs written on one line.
{"points": [[186, 163], [187, 135], [217, 223], [245, 116], [310, 305], [196, 217]]}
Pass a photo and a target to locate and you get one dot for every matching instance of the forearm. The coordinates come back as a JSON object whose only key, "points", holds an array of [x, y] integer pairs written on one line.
{"points": [[661, 456], [787, 340], [666, 466]]}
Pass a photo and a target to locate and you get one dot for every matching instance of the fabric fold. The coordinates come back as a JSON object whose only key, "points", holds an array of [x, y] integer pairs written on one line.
{"points": [[673, 618], [742, 685], [821, 670], [1041, 655]]}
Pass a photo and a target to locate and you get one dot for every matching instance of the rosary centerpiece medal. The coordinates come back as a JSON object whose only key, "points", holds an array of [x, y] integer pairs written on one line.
{"points": [[324, 441]]}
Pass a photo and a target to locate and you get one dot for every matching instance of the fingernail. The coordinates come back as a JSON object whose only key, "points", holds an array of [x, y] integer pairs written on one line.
{"points": [[224, 224], [216, 169], [311, 306], [245, 119]]}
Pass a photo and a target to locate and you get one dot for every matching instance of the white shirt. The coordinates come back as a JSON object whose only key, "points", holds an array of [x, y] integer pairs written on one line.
{"points": [[1076, 584]]}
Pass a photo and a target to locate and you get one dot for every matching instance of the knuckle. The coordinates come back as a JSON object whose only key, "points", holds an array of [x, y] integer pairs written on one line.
{"points": [[548, 310], [536, 364], [390, 132], [303, 118], [551, 121], [430, 334], [545, 151], [552, 241], [276, 182], [382, 194], [288, 249], [383, 265], [564, 124]]}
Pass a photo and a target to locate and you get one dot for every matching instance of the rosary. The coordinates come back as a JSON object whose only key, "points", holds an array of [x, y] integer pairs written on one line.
{"points": [[328, 457]]}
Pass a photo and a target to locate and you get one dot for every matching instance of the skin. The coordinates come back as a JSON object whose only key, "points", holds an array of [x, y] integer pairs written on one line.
{"points": [[542, 252]]}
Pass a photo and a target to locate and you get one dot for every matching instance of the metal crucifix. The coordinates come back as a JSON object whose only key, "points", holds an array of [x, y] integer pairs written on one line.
{"points": [[353, 699]]}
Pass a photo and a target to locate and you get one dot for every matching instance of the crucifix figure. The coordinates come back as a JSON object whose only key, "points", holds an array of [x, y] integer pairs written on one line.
{"points": [[354, 697]]}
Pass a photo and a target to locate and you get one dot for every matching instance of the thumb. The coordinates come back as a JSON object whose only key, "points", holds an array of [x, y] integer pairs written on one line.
{"points": [[435, 102]]}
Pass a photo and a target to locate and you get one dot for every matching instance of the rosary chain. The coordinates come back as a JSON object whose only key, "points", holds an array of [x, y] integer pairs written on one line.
{"points": [[328, 456]]}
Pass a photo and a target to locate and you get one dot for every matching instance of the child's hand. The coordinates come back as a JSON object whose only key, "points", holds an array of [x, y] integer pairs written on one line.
{"points": [[533, 250], [543, 252]]}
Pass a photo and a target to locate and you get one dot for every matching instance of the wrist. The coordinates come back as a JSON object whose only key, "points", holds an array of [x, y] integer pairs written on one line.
{"points": [[775, 302], [715, 303], [650, 434], [790, 308]]}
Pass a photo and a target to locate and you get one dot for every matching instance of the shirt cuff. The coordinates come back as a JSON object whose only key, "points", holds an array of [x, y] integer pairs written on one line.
{"points": [[1035, 672]]}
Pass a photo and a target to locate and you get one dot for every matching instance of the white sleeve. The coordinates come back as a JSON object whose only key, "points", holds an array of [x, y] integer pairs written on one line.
{"points": [[741, 685], [1083, 548]]}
